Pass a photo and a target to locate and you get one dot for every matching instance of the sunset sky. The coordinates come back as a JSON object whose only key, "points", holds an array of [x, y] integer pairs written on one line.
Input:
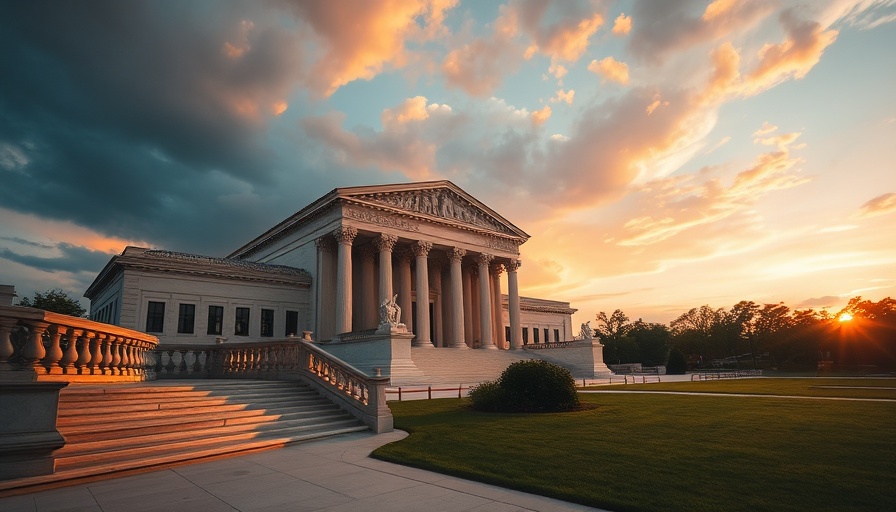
{"points": [[662, 154]]}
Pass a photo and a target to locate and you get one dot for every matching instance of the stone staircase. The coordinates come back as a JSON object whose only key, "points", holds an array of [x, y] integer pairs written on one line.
{"points": [[127, 427], [459, 366]]}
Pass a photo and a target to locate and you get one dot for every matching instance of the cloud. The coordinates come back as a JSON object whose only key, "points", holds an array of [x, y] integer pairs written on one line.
{"points": [[564, 96], [479, 66], [623, 25], [610, 69], [880, 205], [560, 31], [828, 301], [373, 40], [70, 258], [539, 117]]}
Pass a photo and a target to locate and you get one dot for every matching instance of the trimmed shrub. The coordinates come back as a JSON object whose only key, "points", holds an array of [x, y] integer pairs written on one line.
{"points": [[528, 386], [678, 363]]}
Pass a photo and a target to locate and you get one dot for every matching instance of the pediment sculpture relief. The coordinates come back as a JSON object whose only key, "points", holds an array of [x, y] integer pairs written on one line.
{"points": [[438, 203]]}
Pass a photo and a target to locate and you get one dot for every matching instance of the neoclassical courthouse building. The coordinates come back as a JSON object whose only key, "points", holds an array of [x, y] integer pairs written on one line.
{"points": [[441, 254]]}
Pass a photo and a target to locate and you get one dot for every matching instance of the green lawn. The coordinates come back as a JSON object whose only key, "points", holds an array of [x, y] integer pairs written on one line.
{"points": [[831, 387], [667, 452]]}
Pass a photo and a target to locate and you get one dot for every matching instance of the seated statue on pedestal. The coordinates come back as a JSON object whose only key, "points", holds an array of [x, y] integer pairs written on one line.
{"points": [[390, 316]]}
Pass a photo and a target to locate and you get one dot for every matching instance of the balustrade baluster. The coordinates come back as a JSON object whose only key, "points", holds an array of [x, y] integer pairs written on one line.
{"points": [[125, 367], [53, 354], [106, 364], [34, 349], [83, 360], [115, 365], [96, 354], [71, 351], [182, 367], [6, 348]]}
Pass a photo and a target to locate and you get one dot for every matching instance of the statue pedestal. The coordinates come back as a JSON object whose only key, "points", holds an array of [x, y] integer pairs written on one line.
{"points": [[390, 353], [28, 435]]}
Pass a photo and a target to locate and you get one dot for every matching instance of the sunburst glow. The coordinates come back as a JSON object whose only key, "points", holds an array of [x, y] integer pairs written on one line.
{"points": [[844, 317]]}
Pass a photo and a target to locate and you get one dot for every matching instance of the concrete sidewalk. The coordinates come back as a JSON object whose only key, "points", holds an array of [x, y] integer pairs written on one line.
{"points": [[333, 475]]}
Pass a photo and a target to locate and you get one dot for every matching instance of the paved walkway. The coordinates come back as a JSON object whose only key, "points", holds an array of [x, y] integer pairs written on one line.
{"points": [[332, 475]]}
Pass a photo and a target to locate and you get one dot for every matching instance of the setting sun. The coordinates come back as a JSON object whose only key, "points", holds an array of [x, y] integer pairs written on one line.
{"points": [[845, 317]]}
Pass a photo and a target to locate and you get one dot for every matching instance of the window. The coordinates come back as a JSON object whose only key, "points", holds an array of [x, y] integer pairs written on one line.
{"points": [[155, 317], [535, 334], [506, 333], [185, 318], [267, 322], [525, 335], [241, 325], [546, 338], [215, 319], [556, 334], [292, 323]]}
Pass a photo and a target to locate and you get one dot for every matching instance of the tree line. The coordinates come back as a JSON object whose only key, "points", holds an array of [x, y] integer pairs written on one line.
{"points": [[763, 336]]}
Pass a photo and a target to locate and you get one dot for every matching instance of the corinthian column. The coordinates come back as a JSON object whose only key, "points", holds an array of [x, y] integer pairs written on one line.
{"points": [[326, 285], [404, 288], [485, 303], [513, 298], [345, 235], [497, 323], [457, 298], [421, 251], [384, 244]]}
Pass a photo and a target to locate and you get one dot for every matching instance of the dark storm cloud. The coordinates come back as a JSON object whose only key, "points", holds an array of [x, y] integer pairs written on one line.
{"points": [[131, 118], [71, 259]]}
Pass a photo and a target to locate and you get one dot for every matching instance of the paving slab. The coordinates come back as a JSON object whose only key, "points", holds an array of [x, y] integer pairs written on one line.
{"points": [[328, 475]]}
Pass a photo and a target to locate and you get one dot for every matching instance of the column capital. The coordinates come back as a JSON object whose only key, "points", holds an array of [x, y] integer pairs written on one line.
{"points": [[421, 248], [495, 268], [326, 244], [385, 242], [513, 265], [484, 258], [345, 235], [456, 254], [404, 255]]}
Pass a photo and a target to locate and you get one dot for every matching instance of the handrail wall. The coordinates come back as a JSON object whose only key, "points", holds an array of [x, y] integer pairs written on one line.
{"points": [[361, 395], [63, 348]]}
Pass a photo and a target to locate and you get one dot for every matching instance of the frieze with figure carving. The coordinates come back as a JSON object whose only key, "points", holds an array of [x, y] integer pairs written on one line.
{"points": [[381, 220], [438, 203]]}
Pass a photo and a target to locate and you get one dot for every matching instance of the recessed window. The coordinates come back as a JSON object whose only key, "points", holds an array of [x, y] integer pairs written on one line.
{"points": [[535, 335], [186, 317], [292, 323], [506, 333], [215, 319], [546, 338], [155, 317], [556, 334], [241, 324], [525, 335], [267, 322]]}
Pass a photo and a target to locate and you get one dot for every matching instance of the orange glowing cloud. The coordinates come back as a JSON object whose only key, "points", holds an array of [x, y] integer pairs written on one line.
{"points": [[241, 46], [881, 205], [539, 117], [373, 40], [569, 43], [564, 96], [717, 8], [413, 109], [610, 69], [622, 25]]}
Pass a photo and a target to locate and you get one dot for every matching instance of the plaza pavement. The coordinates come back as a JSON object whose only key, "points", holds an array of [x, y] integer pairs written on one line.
{"points": [[331, 475]]}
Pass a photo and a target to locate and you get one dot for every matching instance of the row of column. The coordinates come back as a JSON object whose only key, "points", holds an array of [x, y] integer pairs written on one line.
{"points": [[461, 317]]}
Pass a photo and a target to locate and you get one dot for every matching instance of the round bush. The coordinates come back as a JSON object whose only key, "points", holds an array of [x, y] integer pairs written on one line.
{"points": [[528, 386], [678, 363]]}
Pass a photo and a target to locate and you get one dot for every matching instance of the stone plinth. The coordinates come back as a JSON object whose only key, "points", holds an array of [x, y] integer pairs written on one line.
{"points": [[583, 358], [389, 352], [28, 435]]}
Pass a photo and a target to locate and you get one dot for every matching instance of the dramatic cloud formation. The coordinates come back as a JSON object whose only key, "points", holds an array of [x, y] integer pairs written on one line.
{"points": [[661, 154]]}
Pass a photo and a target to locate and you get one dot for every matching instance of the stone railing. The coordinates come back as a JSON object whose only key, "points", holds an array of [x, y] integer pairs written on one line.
{"points": [[548, 345], [292, 359], [54, 347]]}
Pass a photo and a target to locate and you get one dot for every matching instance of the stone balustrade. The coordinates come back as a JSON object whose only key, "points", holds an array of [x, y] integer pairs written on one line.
{"points": [[362, 395], [62, 348]]}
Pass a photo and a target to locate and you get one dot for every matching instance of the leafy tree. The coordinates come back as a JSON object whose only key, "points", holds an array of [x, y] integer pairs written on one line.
{"points": [[614, 327], [56, 301], [652, 341]]}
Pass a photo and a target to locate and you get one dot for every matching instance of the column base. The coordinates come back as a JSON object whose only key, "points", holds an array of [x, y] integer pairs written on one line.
{"points": [[488, 346], [458, 344], [422, 344]]}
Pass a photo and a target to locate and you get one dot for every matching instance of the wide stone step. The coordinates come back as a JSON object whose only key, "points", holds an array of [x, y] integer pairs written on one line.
{"points": [[75, 453], [90, 432], [208, 402]]}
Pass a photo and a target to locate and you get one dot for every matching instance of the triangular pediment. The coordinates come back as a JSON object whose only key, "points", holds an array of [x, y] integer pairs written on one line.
{"points": [[439, 201]]}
